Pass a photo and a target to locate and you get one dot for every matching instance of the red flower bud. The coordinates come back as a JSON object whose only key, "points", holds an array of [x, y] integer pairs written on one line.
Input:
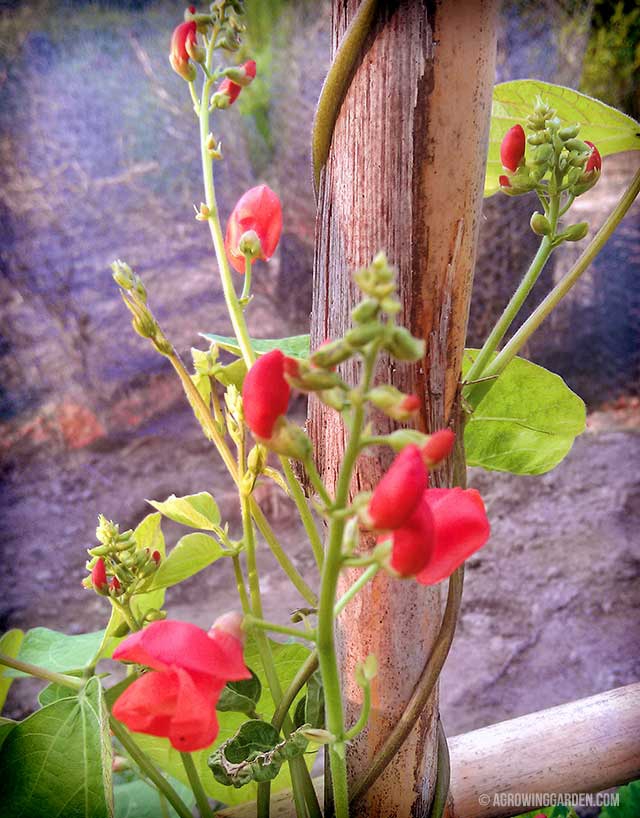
{"points": [[413, 543], [156, 557], [594, 162], [178, 55], [239, 77], [504, 181], [513, 147], [259, 210], [399, 492], [461, 528], [265, 393], [230, 623], [438, 447], [99, 575]]}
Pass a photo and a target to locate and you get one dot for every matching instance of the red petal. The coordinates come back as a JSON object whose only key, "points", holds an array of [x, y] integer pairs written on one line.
{"points": [[265, 393], [413, 543], [171, 644], [397, 495], [461, 528], [258, 209], [513, 147], [147, 705], [194, 725]]}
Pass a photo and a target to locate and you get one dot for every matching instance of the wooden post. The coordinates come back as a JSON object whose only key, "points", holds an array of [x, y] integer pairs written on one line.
{"points": [[584, 746], [405, 174]]}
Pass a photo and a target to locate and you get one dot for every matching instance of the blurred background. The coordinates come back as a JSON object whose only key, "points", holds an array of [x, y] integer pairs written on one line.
{"points": [[99, 159]]}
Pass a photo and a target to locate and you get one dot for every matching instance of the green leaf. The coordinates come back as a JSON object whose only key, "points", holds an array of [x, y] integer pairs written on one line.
{"points": [[232, 374], [57, 762], [53, 693], [609, 129], [240, 697], [57, 651], [527, 422], [191, 554], [6, 726], [287, 658], [255, 753], [9, 645], [314, 703], [298, 346], [628, 805], [138, 799], [194, 510]]}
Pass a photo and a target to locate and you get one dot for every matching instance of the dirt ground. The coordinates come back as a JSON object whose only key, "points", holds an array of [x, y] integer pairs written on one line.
{"points": [[551, 609]]}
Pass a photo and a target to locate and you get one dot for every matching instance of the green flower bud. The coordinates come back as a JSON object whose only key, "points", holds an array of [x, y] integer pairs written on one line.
{"points": [[331, 354], [366, 311], [540, 224], [289, 440], [335, 398], [543, 155], [361, 336], [577, 145], [538, 138], [249, 244], [569, 132], [576, 232], [403, 346], [123, 275]]}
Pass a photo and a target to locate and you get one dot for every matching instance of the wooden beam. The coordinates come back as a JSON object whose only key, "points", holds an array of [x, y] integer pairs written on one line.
{"points": [[585, 746]]}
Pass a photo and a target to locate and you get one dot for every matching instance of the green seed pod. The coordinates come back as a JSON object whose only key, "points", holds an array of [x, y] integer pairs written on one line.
{"points": [[540, 224], [538, 138]]}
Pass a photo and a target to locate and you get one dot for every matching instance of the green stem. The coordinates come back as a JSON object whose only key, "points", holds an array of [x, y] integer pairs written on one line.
{"points": [[513, 307], [307, 669], [316, 482], [41, 672], [422, 691], [262, 624], [330, 575], [305, 512], [202, 412], [246, 287], [349, 594], [242, 591], [536, 318], [363, 718], [149, 768], [127, 613], [196, 786]]}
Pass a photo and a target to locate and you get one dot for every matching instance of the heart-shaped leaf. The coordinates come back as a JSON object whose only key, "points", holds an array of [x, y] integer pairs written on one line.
{"points": [[195, 510], [57, 651], [191, 554], [527, 422], [240, 697], [58, 761]]}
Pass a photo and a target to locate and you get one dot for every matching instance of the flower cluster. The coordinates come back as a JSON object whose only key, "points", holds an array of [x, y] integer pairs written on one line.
{"points": [[189, 669], [575, 165], [433, 531]]}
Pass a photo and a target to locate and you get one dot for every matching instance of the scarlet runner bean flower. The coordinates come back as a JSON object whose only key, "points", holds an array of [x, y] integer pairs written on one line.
{"points": [[512, 148], [99, 575], [183, 36], [438, 447], [399, 492], [460, 528], [265, 393], [230, 87], [177, 698], [594, 162], [258, 210]]}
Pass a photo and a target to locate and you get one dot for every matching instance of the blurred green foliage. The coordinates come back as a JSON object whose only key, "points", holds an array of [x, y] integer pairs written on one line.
{"points": [[611, 68]]}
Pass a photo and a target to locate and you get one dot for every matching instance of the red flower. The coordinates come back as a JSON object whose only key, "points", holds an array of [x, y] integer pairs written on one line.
{"points": [[461, 528], [438, 447], [399, 492], [99, 575], [513, 147], [178, 55], [594, 162], [258, 210], [177, 698], [413, 543], [244, 74], [265, 393]]}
